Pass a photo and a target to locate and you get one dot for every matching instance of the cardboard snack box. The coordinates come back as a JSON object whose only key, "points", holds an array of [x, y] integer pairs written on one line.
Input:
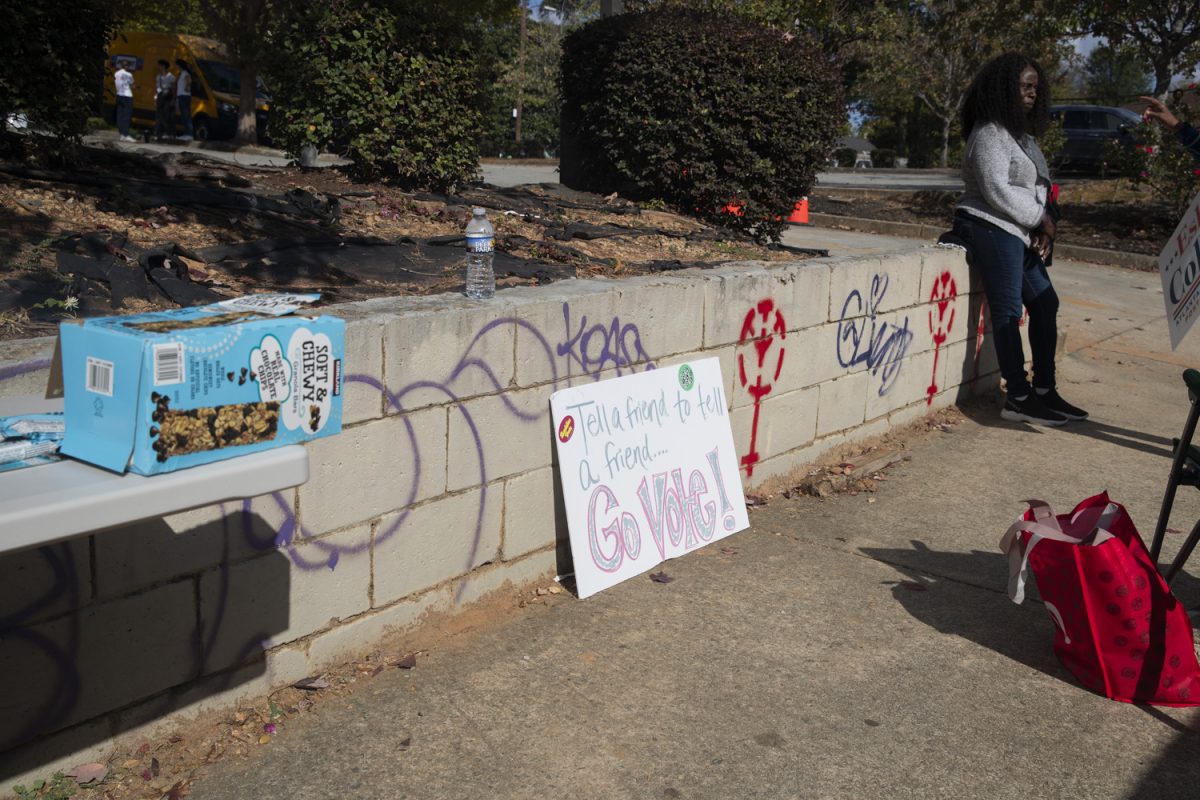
{"points": [[167, 390]]}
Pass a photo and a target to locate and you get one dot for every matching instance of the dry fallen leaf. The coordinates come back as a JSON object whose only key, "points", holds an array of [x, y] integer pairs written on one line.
{"points": [[154, 767], [311, 684], [264, 739], [407, 662], [404, 745], [556, 589], [660, 577], [88, 773], [178, 791]]}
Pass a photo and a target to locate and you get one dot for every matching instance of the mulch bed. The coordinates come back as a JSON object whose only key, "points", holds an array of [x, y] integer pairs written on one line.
{"points": [[1120, 226]]}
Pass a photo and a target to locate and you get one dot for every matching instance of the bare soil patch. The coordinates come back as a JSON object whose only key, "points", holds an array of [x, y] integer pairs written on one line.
{"points": [[124, 233]]}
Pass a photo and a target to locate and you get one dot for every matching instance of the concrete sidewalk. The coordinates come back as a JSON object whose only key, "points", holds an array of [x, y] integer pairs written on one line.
{"points": [[853, 647]]}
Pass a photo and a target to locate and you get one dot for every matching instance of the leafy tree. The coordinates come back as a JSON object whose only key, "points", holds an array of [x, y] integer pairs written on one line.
{"points": [[53, 67], [242, 26], [170, 16], [1164, 33], [531, 81], [1115, 75], [931, 50]]}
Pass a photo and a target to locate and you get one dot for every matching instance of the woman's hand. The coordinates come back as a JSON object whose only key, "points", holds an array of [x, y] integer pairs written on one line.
{"points": [[1157, 110], [1042, 237], [1047, 227], [1041, 244]]}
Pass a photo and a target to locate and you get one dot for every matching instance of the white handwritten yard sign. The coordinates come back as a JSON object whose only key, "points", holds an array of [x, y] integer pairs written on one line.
{"points": [[649, 470], [1179, 265]]}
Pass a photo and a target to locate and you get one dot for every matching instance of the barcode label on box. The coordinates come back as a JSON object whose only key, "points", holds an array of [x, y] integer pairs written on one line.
{"points": [[168, 363], [100, 376]]}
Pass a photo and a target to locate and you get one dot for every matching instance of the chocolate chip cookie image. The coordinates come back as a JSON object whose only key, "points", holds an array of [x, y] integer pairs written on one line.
{"points": [[197, 430]]}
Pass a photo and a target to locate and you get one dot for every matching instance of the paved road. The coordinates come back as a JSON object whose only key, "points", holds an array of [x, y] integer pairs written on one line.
{"points": [[500, 174]]}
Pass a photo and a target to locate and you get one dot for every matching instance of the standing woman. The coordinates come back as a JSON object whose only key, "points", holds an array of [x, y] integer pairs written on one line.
{"points": [[183, 95], [1002, 216], [164, 100]]}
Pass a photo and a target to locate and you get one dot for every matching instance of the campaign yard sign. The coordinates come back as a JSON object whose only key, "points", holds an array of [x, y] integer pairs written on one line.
{"points": [[1179, 266], [648, 469]]}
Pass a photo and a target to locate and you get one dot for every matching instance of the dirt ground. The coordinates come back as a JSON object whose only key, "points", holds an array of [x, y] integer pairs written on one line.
{"points": [[77, 242], [1106, 214]]}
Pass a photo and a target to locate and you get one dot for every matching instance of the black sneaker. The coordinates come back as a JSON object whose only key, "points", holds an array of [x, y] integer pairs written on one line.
{"points": [[1053, 401], [1031, 409]]}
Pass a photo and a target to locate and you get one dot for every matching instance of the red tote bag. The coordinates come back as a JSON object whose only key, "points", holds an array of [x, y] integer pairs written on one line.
{"points": [[1119, 630]]}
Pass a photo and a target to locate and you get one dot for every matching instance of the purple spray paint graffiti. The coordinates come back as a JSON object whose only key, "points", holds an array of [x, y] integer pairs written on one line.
{"points": [[592, 349]]}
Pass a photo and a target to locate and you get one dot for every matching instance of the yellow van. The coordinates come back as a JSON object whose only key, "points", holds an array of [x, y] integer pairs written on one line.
{"points": [[216, 82]]}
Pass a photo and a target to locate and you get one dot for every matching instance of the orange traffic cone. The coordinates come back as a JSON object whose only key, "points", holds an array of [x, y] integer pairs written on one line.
{"points": [[800, 212]]}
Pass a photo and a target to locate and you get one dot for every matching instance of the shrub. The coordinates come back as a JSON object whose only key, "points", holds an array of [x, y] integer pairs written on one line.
{"points": [[1160, 163], [356, 78], [53, 70], [1052, 142], [698, 110]]}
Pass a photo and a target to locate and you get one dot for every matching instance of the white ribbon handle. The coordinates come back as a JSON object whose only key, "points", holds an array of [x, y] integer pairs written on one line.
{"points": [[1044, 525]]}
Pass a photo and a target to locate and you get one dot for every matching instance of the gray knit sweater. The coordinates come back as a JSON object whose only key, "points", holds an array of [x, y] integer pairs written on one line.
{"points": [[1006, 180]]}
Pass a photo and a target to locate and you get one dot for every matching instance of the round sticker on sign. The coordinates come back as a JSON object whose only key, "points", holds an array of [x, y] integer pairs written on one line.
{"points": [[687, 378], [566, 429]]}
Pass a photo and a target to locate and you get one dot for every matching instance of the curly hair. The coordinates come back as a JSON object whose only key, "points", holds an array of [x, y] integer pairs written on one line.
{"points": [[995, 96]]}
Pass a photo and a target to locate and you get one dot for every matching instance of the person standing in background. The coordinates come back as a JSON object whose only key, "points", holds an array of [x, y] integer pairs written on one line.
{"points": [[164, 101], [123, 81], [1189, 137], [1005, 220], [183, 96]]}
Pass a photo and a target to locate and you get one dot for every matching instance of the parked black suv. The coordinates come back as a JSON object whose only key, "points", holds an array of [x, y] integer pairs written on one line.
{"points": [[1089, 130]]}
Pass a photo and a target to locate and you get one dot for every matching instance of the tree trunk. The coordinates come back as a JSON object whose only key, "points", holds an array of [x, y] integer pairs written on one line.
{"points": [[946, 141], [1162, 78], [247, 125]]}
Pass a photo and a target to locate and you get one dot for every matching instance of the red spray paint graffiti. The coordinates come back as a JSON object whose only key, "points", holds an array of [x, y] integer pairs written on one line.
{"points": [[941, 320], [762, 325]]}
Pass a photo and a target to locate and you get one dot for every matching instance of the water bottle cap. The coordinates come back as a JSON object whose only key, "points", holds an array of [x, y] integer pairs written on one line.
{"points": [[479, 212]]}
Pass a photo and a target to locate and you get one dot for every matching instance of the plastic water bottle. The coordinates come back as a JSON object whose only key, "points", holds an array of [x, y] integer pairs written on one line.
{"points": [[481, 277]]}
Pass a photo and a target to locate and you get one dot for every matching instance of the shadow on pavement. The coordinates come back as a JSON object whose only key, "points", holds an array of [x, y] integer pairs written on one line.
{"points": [[965, 594], [987, 415], [943, 590]]}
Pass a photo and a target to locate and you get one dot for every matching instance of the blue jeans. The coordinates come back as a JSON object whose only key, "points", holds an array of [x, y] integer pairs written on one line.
{"points": [[124, 114], [1014, 275], [185, 111]]}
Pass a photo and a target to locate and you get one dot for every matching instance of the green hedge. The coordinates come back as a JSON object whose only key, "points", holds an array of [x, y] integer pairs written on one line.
{"points": [[362, 80], [698, 110], [54, 62]]}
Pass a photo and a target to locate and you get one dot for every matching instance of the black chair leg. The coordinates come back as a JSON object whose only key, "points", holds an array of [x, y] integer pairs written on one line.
{"points": [[1188, 546], [1192, 378]]}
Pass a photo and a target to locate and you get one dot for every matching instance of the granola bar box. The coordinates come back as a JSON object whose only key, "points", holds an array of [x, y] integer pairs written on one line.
{"points": [[166, 390]]}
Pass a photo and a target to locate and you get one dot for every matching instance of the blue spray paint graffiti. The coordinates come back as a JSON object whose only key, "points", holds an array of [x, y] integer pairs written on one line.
{"points": [[881, 347]]}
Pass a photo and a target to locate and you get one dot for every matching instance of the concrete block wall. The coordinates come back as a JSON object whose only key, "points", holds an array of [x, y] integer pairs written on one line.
{"points": [[441, 488]]}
